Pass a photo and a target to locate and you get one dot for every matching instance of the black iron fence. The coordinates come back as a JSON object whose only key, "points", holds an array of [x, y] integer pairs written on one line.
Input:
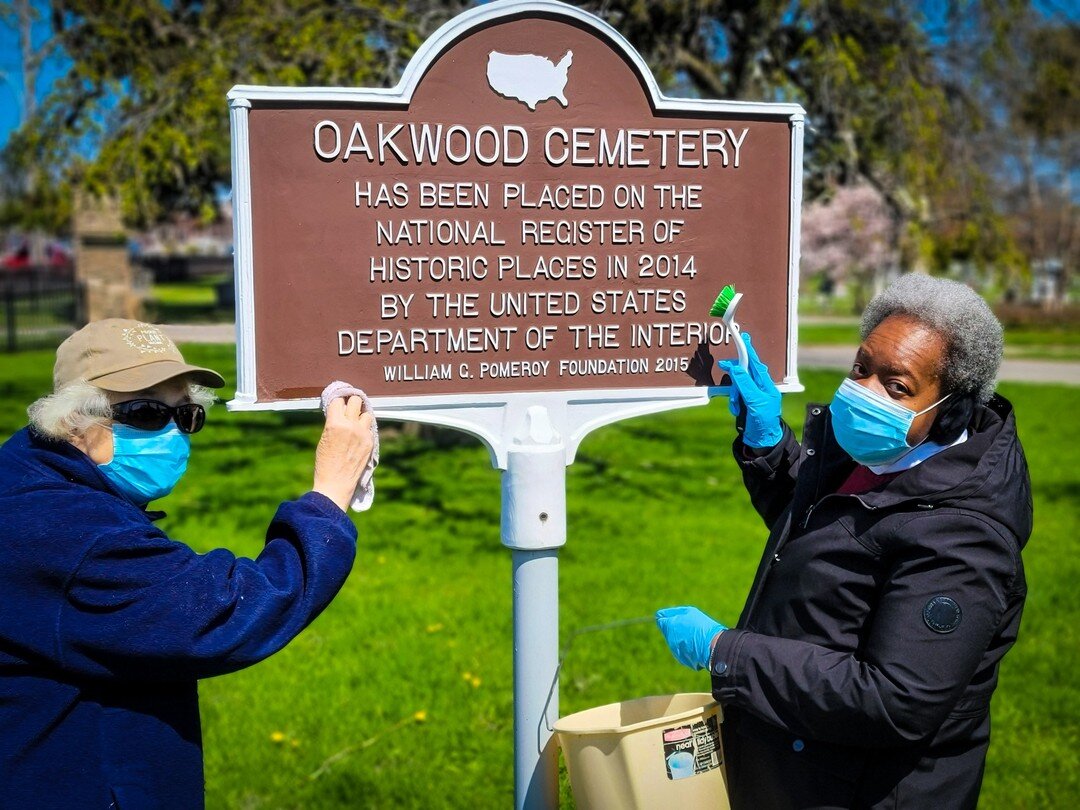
{"points": [[39, 307]]}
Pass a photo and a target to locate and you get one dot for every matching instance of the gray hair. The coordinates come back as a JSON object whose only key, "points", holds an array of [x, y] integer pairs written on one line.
{"points": [[78, 406], [974, 340]]}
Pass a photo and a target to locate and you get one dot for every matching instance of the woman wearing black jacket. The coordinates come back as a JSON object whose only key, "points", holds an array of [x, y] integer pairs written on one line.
{"points": [[861, 669]]}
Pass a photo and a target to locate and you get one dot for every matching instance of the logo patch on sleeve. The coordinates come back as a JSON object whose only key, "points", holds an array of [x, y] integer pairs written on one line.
{"points": [[942, 614]]}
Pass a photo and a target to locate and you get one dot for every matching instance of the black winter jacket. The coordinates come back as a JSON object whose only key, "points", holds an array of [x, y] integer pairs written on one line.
{"points": [[861, 669]]}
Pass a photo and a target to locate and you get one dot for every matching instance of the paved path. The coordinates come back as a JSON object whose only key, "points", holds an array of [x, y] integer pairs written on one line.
{"points": [[201, 332], [839, 357]]}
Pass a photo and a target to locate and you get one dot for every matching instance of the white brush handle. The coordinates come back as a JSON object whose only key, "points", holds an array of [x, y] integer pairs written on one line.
{"points": [[740, 346], [736, 332]]}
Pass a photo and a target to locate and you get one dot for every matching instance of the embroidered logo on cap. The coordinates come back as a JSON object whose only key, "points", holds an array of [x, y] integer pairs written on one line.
{"points": [[147, 339], [942, 614]]}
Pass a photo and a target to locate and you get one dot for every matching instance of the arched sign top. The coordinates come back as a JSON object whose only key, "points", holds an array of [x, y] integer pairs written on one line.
{"points": [[503, 11], [524, 222]]}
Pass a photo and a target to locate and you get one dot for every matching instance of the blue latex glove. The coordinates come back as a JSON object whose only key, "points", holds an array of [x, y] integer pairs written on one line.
{"points": [[754, 399], [689, 633]]}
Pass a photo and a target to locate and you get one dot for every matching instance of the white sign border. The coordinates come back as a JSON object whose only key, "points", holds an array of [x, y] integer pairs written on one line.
{"points": [[493, 417]]}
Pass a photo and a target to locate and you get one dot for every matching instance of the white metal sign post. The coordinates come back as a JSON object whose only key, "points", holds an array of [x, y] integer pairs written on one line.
{"points": [[521, 240]]}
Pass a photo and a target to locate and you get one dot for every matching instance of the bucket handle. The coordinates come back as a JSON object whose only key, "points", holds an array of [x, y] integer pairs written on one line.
{"points": [[581, 631]]}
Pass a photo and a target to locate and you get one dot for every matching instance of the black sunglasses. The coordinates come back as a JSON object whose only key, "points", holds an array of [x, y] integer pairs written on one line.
{"points": [[149, 414]]}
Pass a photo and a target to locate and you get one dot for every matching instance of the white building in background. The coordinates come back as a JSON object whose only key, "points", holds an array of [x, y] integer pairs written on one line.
{"points": [[1047, 282]]}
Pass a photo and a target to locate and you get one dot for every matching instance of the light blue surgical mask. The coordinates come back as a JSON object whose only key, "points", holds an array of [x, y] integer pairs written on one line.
{"points": [[147, 464], [870, 427]]}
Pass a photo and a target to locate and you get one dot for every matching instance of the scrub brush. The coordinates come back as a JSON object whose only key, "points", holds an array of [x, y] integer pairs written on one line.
{"points": [[724, 308]]}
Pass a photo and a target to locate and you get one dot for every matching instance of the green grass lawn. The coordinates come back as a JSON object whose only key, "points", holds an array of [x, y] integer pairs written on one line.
{"points": [[829, 334], [1057, 343], [193, 301], [399, 695]]}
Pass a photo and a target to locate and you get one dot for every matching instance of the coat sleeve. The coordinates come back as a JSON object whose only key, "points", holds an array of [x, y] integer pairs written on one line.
{"points": [[770, 479], [144, 607], [905, 678]]}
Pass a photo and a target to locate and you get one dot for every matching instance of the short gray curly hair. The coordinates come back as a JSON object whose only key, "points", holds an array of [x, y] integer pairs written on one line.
{"points": [[974, 340]]}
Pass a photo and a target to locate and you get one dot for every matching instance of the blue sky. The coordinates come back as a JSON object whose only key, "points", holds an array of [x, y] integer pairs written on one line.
{"points": [[11, 79]]}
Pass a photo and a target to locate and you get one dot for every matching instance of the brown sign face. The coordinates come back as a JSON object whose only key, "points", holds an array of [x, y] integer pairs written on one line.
{"points": [[526, 221]]}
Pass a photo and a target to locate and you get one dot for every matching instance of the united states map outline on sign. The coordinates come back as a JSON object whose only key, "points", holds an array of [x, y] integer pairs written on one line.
{"points": [[528, 78]]}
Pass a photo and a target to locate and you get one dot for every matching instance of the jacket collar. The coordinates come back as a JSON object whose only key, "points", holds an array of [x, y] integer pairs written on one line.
{"points": [[959, 471], [64, 462], [915, 456], [953, 474]]}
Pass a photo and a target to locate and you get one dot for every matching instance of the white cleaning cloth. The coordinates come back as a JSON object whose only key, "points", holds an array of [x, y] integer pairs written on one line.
{"points": [[365, 488]]}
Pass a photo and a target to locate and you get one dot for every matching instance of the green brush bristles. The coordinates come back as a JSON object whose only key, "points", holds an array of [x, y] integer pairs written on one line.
{"points": [[722, 301]]}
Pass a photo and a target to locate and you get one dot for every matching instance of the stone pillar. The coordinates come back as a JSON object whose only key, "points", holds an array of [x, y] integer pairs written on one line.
{"points": [[101, 259]]}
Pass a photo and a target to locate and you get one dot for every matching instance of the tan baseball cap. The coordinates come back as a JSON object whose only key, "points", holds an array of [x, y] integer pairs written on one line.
{"points": [[120, 355]]}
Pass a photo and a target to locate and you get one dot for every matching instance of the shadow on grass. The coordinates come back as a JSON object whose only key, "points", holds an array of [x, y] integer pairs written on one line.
{"points": [[168, 312]]}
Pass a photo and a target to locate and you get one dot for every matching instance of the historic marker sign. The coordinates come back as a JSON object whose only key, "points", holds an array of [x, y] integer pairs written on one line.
{"points": [[522, 240], [524, 213]]}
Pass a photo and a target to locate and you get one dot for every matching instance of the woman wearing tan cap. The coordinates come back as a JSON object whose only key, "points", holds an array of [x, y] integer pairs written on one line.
{"points": [[105, 623]]}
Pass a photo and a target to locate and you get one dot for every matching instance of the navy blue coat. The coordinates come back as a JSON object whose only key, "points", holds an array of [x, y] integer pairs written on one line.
{"points": [[106, 625], [861, 670]]}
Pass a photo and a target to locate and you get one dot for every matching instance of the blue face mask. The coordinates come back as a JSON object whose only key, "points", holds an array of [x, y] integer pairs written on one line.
{"points": [[870, 427], [147, 463]]}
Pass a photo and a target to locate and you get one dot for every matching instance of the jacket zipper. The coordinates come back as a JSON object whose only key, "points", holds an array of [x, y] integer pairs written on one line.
{"points": [[759, 585]]}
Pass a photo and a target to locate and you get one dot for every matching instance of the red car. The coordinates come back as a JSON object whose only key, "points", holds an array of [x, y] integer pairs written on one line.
{"points": [[57, 256]]}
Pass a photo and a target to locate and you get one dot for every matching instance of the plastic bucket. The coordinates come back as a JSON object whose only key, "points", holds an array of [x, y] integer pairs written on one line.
{"points": [[653, 752]]}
